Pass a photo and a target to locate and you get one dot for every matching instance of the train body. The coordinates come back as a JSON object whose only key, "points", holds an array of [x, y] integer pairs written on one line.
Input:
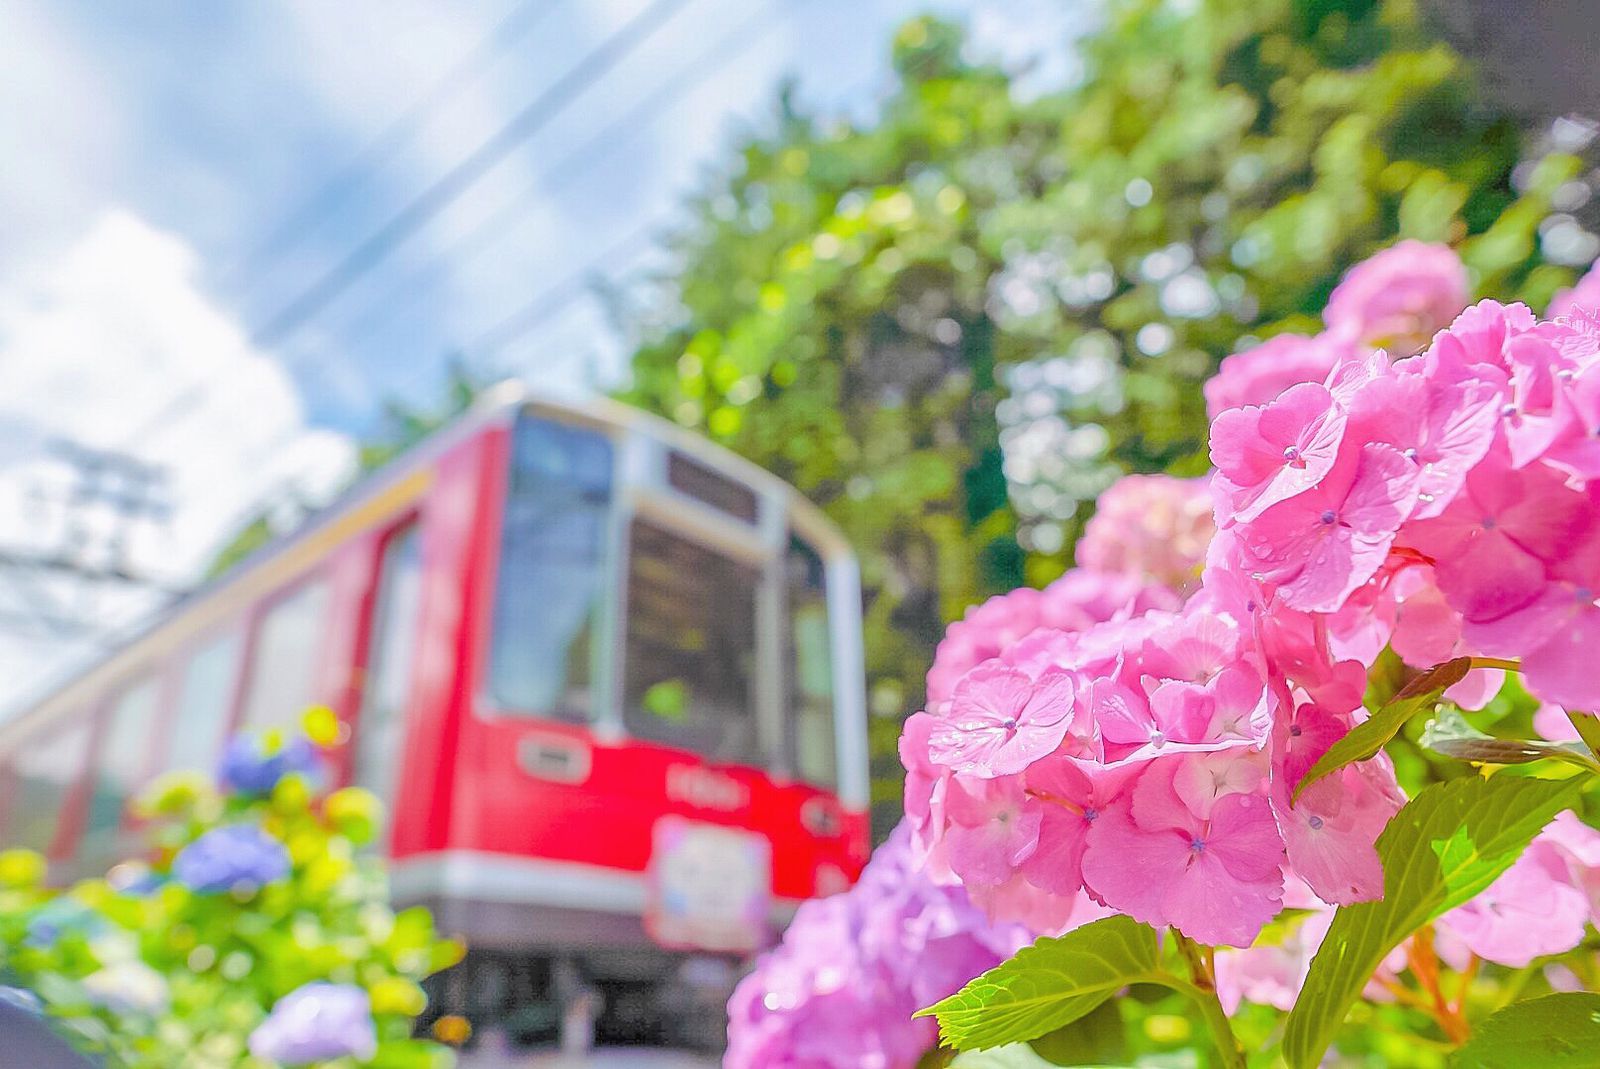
{"points": [[605, 676]]}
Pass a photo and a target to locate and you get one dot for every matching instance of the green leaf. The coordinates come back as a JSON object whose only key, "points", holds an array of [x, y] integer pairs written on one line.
{"points": [[1370, 736], [1560, 1031], [1451, 735], [1048, 985], [1096, 1038], [1010, 1056], [1450, 842], [1587, 725]]}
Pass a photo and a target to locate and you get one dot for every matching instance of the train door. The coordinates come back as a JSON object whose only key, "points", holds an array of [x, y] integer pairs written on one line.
{"points": [[377, 750]]}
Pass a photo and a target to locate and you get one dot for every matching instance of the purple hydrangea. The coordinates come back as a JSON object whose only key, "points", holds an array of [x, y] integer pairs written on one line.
{"points": [[235, 856], [316, 1023], [840, 990], [250, 766]]}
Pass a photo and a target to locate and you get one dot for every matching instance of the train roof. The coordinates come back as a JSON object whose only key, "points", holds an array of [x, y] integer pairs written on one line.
{"points": [[496, 404]]}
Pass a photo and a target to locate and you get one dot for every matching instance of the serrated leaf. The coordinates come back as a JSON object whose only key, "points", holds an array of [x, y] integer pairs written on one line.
{"points": [[1096, 1038], [1451, 735], [1450, 842], [1049, 984], [1560, 1031], [1372, 734]]}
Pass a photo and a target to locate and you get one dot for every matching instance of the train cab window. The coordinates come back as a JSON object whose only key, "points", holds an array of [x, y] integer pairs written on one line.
{"points": [[552, 556], [286, 657], [120, 767], [689, 661], [205, 701], [810, 667], [380, 725], [47, 766]]}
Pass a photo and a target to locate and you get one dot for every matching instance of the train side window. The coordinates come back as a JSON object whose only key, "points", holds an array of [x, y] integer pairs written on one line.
{"points": [[285, 659], [810, 666], [552, 570], [120, 767], [205, 699], [380, 727], [47, 766]]}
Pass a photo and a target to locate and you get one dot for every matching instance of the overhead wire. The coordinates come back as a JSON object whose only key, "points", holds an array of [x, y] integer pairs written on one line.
{"points": [[382, 149], [465, 174], [549, 103], [498, 225]]}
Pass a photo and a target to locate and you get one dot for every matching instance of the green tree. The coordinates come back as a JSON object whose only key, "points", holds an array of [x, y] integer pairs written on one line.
{"points": [[952, 325]]}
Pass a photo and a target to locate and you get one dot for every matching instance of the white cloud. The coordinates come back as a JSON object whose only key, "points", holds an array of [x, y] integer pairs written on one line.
{"points": [[61, 130], [96, 342]]}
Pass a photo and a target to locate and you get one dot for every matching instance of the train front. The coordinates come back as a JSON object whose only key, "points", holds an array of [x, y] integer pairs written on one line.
{"points": [[664, 747]]}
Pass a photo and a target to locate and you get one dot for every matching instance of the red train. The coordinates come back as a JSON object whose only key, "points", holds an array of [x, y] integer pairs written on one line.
{"points": [[605, 675]]}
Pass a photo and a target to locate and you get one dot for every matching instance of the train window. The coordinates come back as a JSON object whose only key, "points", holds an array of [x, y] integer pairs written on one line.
{"points": [[47, 766], [711, 487], [552, 549], [204, 704], [121, 764], [810, 667], [287, 654], [688, 667], [380, 725]]}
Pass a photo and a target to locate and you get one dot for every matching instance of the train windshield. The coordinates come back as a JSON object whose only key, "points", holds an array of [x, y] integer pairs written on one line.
{"points": [[552, 571], [689, 664]]}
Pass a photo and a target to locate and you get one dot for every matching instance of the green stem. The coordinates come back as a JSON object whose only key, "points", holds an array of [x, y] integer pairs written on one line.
{"points": [[1588, 728], [1203, 992]]}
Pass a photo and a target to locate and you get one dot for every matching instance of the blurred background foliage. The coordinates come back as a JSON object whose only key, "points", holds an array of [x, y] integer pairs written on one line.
{"points": [[953, 325]]}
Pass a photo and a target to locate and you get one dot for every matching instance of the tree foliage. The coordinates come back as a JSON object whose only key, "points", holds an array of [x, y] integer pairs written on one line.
{"points": [[952, 324]]}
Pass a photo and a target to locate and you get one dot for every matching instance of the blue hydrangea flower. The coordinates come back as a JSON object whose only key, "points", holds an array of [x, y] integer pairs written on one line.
{"points": [[232, 857], [62, 916], [316, 1023], [248, 768]]}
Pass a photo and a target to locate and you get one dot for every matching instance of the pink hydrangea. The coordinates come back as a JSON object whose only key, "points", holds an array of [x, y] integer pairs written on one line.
{"points": [[1397, 299], [1153, 528], [1079, 599], [1255, 376], [1539, 906], [1028, 816], [1441, 505], [1584, 295]]}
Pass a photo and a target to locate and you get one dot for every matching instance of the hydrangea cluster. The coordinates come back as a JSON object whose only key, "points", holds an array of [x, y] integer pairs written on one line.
{"points": [[253, 765], [1155, 527], [1143, 547], [232, 858], [1372, 489], [852, 969], [316, 1023]]}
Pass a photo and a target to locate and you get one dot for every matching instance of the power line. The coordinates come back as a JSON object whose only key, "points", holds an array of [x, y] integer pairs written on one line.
{"points": [[540, 309], [465, 174], [497, 225], [556, 298], [515, 25]]}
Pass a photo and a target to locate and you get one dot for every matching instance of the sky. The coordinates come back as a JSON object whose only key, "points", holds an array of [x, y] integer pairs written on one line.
{"points": [[178, 176]]}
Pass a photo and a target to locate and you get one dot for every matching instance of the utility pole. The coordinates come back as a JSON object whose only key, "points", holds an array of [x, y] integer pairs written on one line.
{"points": [[60, 590]]}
